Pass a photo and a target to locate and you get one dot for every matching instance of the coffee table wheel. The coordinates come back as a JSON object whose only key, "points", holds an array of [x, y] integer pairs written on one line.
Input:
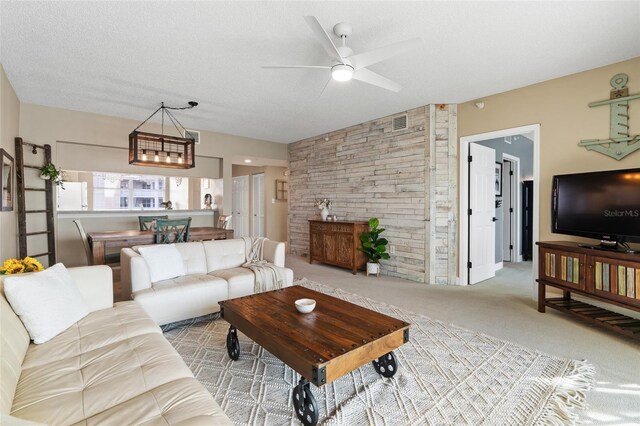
{"points": [[386, 365], [233, 345], [305, 403]]}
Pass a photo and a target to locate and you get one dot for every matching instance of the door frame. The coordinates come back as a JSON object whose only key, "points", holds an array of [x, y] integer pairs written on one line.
{"points": [[517, 208], [463, 241]]}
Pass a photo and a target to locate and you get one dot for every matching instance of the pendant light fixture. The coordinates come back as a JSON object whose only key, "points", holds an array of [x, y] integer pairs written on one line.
{"points": [[160, 150]]}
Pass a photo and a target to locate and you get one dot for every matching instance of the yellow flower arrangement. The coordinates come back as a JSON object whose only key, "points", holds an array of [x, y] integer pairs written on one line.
{"points": [[19, 266]]}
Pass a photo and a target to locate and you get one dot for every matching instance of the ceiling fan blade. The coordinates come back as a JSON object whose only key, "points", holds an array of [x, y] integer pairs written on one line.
{"points": [[297, 66], [371, 77], [323, 38], [365, 59]]}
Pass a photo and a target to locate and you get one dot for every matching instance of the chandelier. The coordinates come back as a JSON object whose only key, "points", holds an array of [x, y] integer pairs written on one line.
{"points": [[160, 150]]}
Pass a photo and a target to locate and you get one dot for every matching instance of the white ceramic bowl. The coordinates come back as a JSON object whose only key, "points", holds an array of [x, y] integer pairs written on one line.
{"points": [[305, 306]]}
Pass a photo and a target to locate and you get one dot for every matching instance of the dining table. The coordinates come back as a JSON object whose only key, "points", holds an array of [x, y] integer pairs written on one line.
{"points": [[101, 241]]}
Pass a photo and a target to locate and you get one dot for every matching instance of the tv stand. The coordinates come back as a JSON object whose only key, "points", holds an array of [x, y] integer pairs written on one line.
{"points": [[609, 275]]}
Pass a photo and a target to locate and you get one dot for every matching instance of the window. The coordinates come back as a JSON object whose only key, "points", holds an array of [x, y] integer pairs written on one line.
{"points": [[113, 191], [146, 191], [118, 191], [108, 191]]}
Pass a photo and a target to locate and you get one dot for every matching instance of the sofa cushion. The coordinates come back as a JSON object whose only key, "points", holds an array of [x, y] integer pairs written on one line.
{"points": [[184, 402], [101, 328], [241, 280], [14, 341], [182, 297], [124, 369], [73, 389], [47, 302], [164, 261], [195, 261], [224, 254]]}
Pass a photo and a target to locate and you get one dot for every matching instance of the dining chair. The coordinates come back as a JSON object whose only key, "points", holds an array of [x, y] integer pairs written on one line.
{"points": [[172, 230], [224, 221], [146, 221], [109, 258]]}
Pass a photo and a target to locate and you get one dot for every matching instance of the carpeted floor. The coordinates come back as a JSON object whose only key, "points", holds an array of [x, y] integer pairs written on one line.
{"points": [[447, 375], [503, 307]]}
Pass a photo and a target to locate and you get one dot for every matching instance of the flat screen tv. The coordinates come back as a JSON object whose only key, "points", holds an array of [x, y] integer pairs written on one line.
{"points": [[601, 205]]}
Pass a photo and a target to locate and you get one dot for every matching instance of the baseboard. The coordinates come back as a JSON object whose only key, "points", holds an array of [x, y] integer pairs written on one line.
{"points": [[499, 266]]}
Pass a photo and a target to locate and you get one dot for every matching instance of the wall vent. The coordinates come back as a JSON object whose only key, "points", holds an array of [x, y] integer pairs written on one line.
{"points": [[400, 122], [192, 134]]}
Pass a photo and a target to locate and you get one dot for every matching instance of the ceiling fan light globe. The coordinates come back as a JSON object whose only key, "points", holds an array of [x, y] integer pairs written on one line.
{"points": [[342, 72]]}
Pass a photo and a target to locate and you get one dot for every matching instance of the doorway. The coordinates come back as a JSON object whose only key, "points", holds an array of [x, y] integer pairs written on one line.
{"points": [[240, 203], [511, 209], [533, 134]]}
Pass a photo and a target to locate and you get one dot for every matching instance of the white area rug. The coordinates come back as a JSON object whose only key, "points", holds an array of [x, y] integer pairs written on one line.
{"points": [[447, 375]]}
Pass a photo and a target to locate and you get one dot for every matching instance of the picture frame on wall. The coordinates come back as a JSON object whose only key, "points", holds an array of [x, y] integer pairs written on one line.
{"points": [[7, 168], [498, 181]]}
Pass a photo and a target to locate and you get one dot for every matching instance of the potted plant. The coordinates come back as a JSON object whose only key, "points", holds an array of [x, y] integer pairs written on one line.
{"points": [[374, 247], [49, 172]]}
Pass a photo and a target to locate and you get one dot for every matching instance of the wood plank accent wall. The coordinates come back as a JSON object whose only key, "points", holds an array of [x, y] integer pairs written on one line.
{"points": [[443, 194], [368, 170]]}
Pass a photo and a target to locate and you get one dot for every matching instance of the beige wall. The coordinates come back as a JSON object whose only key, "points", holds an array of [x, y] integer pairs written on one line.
{"points": [[99, 158], [275, 210], [9, 124], [560, 107], [93, 142], [106, 142]]}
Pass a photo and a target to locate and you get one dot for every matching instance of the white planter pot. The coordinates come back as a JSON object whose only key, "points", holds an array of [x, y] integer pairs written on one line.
{"points": [[45, 177], [373, 269], [324, 213]]}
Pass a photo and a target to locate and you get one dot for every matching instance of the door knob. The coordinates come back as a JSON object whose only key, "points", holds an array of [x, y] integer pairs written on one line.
{"points": [[493, 219]]}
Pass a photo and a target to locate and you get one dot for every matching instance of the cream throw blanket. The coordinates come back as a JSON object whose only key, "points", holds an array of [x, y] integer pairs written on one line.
{"points": [[268, 276]]}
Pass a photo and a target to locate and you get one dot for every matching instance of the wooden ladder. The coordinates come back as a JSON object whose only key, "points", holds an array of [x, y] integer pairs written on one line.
{"points": [[24, 240]]}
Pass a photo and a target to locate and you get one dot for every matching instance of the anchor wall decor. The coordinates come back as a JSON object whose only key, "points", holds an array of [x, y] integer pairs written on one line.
{"points": [[619, 144]]}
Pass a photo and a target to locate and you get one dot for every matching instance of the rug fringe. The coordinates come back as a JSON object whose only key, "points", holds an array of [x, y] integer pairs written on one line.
{"points": [[569, 394]]}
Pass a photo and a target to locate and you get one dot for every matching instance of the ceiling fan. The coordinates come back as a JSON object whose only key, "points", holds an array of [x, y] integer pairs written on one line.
{"points": [[345, 65]]}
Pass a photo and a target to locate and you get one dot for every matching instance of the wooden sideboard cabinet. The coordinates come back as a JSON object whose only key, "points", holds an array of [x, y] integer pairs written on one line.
{"points": [[336, 243], [608, 276]]}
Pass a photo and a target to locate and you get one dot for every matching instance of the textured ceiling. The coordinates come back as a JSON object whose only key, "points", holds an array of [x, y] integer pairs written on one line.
{"points": [[122, 59]]}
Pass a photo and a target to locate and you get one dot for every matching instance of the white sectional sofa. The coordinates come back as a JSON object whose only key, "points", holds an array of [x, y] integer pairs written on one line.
{"points": [[112, 367], [212, 272]]}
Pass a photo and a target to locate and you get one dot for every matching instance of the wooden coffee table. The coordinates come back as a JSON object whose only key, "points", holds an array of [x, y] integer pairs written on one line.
{"points": [[322, 346]]}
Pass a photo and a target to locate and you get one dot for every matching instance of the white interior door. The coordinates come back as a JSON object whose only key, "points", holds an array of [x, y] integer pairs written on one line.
{"points": [[482, 227], [508, 217], [240, 203], [258, 205]]}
